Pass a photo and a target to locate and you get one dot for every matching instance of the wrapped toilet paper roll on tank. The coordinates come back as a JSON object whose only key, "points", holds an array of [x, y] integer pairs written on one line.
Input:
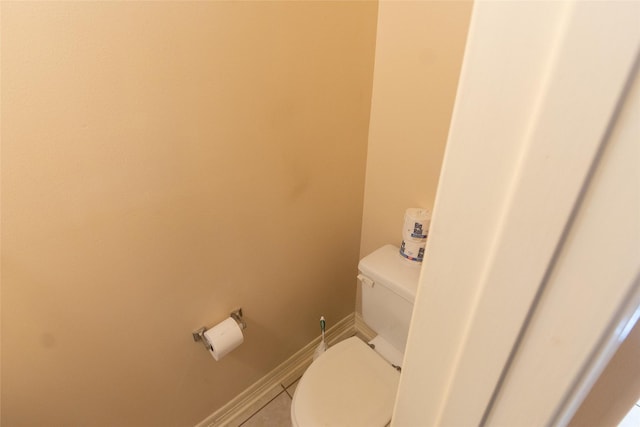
{"points": [[416, 224], [412, 251], [223, 338]]}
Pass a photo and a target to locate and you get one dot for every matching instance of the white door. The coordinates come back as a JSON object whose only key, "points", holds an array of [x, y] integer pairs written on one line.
{"points": [[532, 269]]}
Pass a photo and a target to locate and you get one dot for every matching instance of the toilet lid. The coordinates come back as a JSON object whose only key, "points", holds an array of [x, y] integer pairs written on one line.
{"points": [[350, 385]]}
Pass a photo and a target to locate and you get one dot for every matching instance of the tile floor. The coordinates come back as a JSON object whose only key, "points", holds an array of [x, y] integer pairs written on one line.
{"points": [[275, 412]]}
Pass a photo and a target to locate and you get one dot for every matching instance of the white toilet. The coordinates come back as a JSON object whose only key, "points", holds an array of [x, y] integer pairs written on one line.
{"points": [[354, 384]]}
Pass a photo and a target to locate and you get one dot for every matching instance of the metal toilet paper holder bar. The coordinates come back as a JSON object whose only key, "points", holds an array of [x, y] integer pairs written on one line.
{"points": [[198, 334]]}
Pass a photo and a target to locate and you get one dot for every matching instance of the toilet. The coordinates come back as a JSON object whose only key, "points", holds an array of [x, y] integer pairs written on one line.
{"points": [[354, 384]]}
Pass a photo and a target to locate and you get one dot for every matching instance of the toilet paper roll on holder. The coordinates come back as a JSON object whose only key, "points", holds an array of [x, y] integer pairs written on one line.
{"points": [[198, 334]]}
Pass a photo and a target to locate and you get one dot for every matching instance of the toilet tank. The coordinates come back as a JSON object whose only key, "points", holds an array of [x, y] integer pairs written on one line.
{"points": [[389, 284]]}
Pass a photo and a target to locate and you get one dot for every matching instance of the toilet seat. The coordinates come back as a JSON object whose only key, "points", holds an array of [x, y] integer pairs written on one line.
{"points": [[350, 385]]}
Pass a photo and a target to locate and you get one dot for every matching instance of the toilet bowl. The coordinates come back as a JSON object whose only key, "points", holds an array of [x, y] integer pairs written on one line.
{"points": [[354, 384], [350, 385]]}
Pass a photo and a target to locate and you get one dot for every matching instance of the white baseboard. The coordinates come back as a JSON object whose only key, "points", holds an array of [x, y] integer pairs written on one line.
{"points": [[235, 412]]}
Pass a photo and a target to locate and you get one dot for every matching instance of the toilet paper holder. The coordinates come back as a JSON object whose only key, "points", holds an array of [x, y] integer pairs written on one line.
{"points": [[198, 334]]}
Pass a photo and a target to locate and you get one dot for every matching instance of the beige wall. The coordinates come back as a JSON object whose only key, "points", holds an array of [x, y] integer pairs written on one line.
{"points": [[617, 389], [419, 51], [162, 164]]}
